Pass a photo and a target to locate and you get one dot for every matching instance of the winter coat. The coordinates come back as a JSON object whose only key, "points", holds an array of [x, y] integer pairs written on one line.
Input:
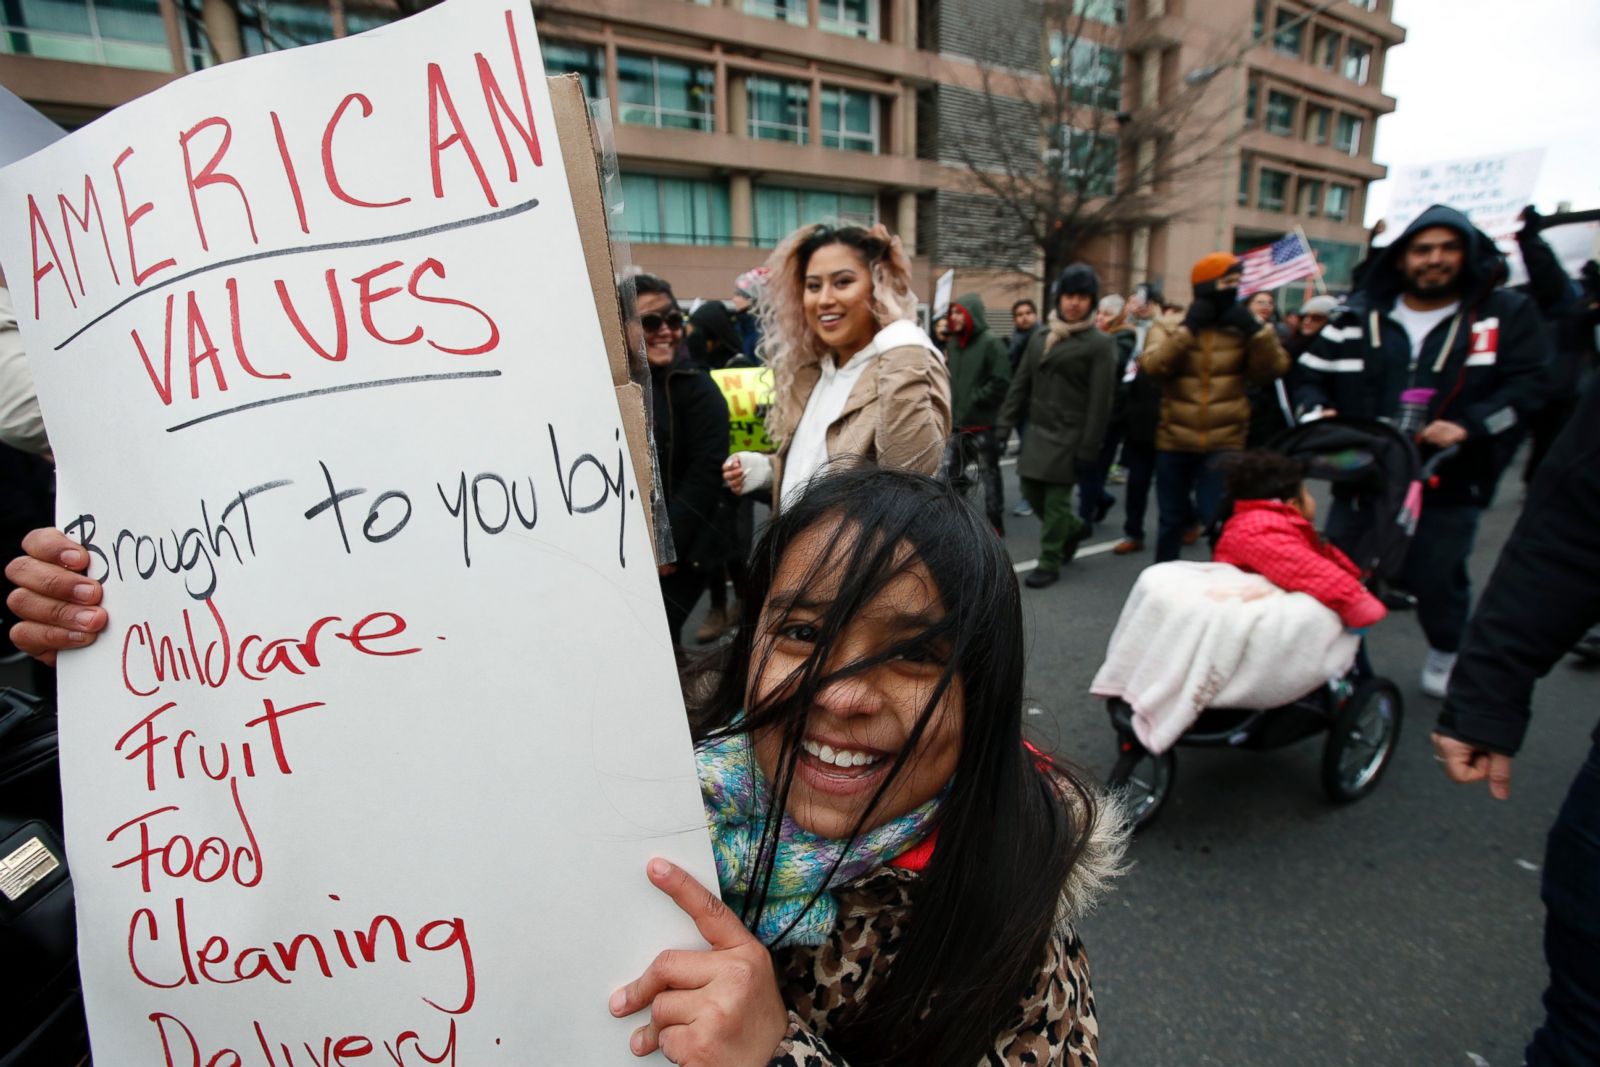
{"points": [[1205, 406], [1488, 380], [1127, 339], [980, 371], [1272, 539], [897, 415], [1019, 344], [1140, 396], [1544, 594], [1569, 312], [690, 424], [1055, 1021], [1064, 389]]}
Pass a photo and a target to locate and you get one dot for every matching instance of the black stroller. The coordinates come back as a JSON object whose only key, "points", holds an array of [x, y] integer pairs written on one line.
{"points": [[1377, 468]]}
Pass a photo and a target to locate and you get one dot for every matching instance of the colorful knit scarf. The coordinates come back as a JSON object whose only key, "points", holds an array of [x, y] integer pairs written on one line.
{"points": [[736, 798]]}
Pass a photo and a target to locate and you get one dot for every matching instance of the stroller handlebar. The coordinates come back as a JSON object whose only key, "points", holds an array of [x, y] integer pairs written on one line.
{"points": [[1435, 461]]}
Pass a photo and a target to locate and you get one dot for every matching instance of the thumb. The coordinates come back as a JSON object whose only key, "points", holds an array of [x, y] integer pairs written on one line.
{"points": [[1500, 776]]}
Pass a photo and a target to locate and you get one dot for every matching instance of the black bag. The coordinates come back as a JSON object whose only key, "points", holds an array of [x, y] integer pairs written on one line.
{"points": [[42, 1021]]}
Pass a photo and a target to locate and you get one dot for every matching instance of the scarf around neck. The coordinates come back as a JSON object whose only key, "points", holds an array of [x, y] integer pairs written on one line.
{"points": [[1061, 329], [736, 797]]}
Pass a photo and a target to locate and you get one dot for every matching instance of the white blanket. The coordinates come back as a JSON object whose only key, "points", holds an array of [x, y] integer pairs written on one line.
{"points": [[1208, 635]]}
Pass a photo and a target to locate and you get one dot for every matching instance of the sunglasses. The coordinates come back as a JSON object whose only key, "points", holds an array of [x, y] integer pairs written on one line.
{"points": [[672, 320]]}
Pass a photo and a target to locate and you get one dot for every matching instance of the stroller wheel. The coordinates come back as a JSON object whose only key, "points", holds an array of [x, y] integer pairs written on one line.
{"points": [[1144, 781], [1362, 740]]}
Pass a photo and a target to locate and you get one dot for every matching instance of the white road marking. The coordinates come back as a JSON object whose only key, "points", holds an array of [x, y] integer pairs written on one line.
{"points": [[1087, 550]]}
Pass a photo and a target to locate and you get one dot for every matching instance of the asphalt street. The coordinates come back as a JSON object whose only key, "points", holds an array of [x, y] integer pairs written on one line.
{"points": [[1258, 923]]}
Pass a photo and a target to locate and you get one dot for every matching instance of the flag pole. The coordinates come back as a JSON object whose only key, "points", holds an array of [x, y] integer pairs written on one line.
{"points": [[1322, 287]]}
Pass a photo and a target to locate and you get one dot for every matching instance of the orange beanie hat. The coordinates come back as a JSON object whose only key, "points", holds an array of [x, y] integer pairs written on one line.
{"points": [[1210, 268]]}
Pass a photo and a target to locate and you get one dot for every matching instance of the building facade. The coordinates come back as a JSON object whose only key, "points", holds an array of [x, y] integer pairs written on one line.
{"points": [[734, 121]]}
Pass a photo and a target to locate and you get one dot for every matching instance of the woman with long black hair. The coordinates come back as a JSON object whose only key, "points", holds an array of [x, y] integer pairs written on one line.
{"points": [[906, 867]]}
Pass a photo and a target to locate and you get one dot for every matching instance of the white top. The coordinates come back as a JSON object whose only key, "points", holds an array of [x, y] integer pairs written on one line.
{"points": [[808, 451], [21, 426], [1418, 324]]}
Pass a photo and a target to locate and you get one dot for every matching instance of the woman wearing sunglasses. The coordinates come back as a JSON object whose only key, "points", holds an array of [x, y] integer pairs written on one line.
{"points": [[854, 377], [690, 424]]}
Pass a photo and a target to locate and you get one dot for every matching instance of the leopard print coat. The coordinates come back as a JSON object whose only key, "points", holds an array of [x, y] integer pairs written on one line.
{"points": [[1055, 1022]]}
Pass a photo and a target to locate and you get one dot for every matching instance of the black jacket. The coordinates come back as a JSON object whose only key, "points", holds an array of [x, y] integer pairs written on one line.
{"points": [[690, 423], [1543, 595], [1019, 344], [1489, 381]]}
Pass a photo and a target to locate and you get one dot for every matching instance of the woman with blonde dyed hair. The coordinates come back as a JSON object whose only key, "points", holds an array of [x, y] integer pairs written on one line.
{"points": [[854, 377]]}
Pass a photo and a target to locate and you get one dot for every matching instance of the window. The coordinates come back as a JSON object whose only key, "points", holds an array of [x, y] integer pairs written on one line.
{"points": [[1289, 33], [1280, 113], [1310, 196], [272, 27], [1338, 261], [779, 110], [852, 18], [782, 10], [113, 33], [1092, 72], [357, 21], [586, 61], [1258, 21], [849, 120], [675, 211], [1274, 189], [1357, 62], [779, 211], [1244, 182], [1088, 161], [1325, 49], [1250, 96], [1347, 134], [664, 92], [1337, 206], [1365, 5], [1110, 12], [1318, 119]]}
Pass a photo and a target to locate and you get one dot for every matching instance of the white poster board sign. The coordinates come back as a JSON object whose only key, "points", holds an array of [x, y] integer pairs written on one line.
{"points": [[1490, 190], [944, 292], [386, 724]]}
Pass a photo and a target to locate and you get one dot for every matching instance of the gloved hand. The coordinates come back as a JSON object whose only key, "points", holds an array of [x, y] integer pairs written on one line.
{"points": [[1201, 314], [1239, 318]]}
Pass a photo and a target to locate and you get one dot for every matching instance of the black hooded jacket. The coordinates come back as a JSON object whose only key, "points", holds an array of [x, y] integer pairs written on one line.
{"points": [[1485, 363]]}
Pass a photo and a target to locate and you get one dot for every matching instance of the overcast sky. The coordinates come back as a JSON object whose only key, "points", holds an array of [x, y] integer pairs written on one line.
{"points": [[1476, 77]]}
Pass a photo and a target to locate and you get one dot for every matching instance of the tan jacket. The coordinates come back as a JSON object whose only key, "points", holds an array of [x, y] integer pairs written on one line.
{"points": [[897, 415], [1204, 403]]}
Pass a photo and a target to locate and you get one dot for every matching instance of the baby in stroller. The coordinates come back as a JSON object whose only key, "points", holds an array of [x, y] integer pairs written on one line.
{"points": [[1271, 533]]}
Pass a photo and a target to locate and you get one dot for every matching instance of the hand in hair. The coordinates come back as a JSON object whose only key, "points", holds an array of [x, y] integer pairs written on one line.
{"points": [[716, 1008]]}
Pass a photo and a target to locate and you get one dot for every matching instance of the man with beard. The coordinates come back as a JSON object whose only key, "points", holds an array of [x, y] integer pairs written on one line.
{"points": [[1432, 344], [1205, 366]]}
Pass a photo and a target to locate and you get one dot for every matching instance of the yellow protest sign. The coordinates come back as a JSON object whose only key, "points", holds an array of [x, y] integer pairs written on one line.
{"points": [[748, 391]]}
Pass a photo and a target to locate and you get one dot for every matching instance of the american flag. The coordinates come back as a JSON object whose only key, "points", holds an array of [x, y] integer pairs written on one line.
{"points": [[1285, 260]]}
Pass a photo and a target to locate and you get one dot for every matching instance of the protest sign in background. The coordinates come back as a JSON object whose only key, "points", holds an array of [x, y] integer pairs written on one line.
{"points": [[748, 391], [1492, 191], [386, 723]]}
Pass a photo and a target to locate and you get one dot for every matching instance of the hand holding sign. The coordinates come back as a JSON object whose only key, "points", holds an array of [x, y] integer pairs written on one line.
{"points": [[58, 606], [719, 1008]]}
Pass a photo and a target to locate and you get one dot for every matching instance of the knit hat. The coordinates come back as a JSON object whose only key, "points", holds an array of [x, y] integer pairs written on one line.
{"points": [[1213, 267], [1078, 278], [1320, 305]]}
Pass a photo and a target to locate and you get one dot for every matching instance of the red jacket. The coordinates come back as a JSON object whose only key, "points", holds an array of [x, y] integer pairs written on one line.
{"points": [[1272, 539]]}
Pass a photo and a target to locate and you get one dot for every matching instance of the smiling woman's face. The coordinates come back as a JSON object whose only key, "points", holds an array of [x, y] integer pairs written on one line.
{"points": [[838, 299], [858, 724]]}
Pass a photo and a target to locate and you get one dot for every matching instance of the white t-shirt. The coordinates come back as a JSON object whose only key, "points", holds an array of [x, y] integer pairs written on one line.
{"points": [[1418, 324], [808, 451]]}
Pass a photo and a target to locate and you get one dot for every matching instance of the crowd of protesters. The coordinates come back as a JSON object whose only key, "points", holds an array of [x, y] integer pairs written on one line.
{"points": [[1099, 390]]}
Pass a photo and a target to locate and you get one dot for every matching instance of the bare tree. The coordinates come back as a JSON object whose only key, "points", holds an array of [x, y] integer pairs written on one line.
{"points": [[1078, 148]]}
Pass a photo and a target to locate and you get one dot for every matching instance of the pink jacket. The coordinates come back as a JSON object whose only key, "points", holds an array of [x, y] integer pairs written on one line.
{"points": [[1272, 539]]}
